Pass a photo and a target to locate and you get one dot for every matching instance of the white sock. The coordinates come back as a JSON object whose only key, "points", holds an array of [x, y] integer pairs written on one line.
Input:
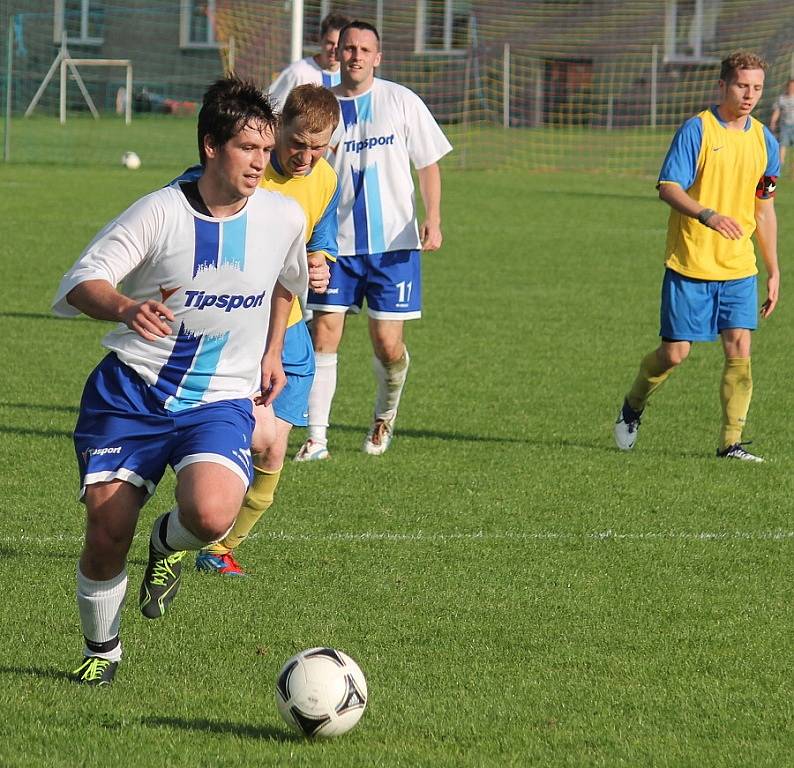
{"points": [[391, 380], [169, 535], [321, 396], [99, 604]]}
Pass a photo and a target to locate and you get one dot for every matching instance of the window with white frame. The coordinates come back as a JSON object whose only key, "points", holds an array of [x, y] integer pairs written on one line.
{"points": [[442, 26], [197, 24], [82, 21], [690, 33]]}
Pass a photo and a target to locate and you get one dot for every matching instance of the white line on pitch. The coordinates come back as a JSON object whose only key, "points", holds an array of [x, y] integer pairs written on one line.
{"points": [[423, 537]]}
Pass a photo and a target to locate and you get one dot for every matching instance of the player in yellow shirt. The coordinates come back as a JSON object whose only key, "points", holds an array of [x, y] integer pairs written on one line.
{"points": [[719, 179], [296, 169]]}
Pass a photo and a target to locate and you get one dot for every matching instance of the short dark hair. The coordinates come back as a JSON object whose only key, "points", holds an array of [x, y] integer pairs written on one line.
{"points": [[229, 105], [314, 108], [333, 21], [741, 60], [363, 25]]}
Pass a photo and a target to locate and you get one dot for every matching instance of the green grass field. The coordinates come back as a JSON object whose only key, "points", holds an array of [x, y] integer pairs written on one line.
{"points": [[168, 141], [517, 591]]}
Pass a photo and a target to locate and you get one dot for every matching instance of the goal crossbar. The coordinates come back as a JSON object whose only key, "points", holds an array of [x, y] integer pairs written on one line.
{"points": [[63, 61]]}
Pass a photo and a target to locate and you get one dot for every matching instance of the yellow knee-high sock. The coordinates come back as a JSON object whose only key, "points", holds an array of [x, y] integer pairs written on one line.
{"points": [[736, 390], [650, 377], [257, 501]]}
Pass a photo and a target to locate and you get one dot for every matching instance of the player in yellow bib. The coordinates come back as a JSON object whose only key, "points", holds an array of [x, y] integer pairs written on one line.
{"points": [[298, 170], [719, 180]]}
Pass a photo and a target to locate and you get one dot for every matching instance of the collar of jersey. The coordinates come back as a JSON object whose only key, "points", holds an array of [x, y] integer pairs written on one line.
{"points": [[204, 216], [280, 171], [359, 95], [723, 123]]}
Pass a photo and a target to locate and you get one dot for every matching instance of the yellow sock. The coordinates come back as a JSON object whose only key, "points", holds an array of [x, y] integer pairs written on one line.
{"points": [[257, 501], [736, 390], [651, 376]]}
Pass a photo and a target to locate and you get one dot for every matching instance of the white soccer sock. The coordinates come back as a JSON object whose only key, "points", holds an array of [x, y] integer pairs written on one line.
{"points": [[169, 535], [391, 380], [321, 396], [99, 604]]}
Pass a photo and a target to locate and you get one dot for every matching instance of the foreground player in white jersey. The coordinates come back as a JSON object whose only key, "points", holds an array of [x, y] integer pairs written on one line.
{"points": [[320, 69], [208, 269], [298, 170], [385, 128]]}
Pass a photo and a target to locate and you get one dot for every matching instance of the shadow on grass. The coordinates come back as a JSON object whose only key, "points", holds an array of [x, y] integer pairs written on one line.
{"points": [[42, 672], [222, 727]]}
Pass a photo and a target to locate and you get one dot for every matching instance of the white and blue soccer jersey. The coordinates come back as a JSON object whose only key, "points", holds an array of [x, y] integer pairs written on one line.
{"points": [[300, 73], [217, 277], [382, 132]]}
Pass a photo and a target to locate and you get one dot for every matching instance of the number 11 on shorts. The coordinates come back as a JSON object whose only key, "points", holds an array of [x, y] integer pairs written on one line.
{"points": [[404, 291]]}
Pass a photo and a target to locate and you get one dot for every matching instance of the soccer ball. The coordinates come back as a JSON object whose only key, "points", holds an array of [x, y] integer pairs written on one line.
{"points": [[131, 160], [321, 692]]}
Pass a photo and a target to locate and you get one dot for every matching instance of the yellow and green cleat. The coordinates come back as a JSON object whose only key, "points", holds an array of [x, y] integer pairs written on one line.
{"points": [[160, 583], [95, 671]]}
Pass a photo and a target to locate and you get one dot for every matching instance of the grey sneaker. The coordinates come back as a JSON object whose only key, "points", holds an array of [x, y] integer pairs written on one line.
{"points": [[626, 427], [736, 451]]}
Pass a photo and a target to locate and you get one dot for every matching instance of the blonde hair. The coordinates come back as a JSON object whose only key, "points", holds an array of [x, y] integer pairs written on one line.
{"points": [[741, 60], [313, 107]]}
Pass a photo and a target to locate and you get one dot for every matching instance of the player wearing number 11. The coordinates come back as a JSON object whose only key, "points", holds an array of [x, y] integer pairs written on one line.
{"points": [[719, 179], [385, 128]]}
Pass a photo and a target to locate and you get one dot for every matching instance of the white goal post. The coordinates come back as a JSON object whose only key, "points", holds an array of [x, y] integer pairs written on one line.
{"points": [[64, 60]]}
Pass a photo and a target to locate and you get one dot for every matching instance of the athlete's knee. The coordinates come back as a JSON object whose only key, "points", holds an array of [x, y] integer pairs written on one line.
{"points": [[273, 458], [327, 330], [671, 355], [210, 516], [388, 349]]}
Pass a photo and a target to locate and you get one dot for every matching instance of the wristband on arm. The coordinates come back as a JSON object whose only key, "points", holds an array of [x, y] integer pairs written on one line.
{"points": [[705, 215]]}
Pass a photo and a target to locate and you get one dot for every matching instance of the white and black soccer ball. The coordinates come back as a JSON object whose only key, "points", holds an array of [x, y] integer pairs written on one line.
{"points": [[131, 160], [321, 692]]}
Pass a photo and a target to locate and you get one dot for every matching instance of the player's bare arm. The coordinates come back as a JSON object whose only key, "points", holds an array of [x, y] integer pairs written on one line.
{"points": [[766, 236], [773, 120], [100, 300], [319, 272], [273, 376], [678, 199], [430, 189]]}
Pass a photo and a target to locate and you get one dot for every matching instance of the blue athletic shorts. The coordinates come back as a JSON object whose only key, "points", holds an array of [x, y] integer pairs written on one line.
{"points": [[123, 433], [697, 310], [787, 135], [391, 282], [292, 403]]}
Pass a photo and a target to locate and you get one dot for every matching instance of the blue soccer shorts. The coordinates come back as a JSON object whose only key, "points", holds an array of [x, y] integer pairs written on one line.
{"points": [[391, 283], [292, 403], [123, 432], [698, 310]]}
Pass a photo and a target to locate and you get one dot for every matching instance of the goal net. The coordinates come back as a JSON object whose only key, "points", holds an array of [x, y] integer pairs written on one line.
{"points": [[590, 85]]}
